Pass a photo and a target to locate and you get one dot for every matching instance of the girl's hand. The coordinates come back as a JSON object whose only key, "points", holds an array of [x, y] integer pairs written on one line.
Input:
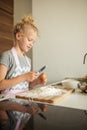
{"points": [[31, 109], [31, 76], [39, 79], [43, 107]]}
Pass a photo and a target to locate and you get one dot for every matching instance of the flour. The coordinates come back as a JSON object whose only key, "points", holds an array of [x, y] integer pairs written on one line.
{"points": [[43, 92]]}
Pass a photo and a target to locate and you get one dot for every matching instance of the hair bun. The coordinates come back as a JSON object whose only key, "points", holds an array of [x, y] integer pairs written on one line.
{"points": [[28, 20]]}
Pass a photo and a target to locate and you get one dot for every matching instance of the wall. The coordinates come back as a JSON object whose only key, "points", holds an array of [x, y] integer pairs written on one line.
{"points": [[22, 8], [62, 42]]}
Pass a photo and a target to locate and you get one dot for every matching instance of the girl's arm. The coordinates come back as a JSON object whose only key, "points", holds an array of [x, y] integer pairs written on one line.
{"points": [[8, 105], [7, 83]]}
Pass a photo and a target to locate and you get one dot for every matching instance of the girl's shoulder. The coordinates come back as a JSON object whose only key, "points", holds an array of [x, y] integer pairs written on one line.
{"points": [[6, 55], [6, 58]]}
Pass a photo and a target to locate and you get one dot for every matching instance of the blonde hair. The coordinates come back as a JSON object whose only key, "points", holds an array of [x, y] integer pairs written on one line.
{"points": [[20, 26]]}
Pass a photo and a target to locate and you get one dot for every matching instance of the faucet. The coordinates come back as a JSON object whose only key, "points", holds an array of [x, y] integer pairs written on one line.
{"points": [[84, 58]]}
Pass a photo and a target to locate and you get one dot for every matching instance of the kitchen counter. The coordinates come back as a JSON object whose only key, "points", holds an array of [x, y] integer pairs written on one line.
{"points": [[69, 114], [77, 100]]}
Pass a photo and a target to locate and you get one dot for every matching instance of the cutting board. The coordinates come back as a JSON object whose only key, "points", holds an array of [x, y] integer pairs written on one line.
{"points": [[59, 93], [4, 97]]}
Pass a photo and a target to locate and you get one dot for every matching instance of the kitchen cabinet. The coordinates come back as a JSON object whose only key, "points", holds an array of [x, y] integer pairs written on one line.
{"points": [[6, 24]]}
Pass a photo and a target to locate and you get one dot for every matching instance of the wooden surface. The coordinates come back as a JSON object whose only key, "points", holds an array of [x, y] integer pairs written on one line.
{"points": [[4, 97], [49, 99], [6, 24]]}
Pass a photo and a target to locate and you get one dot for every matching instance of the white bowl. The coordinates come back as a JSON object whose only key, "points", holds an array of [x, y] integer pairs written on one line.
{"points": [[70, 83]]}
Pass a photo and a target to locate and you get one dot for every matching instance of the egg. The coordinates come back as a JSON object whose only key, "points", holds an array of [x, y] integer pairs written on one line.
{"points": [[43, 77], [43, 107]]}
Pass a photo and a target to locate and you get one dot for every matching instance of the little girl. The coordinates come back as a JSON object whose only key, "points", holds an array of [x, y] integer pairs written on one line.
{"points": [[16, 75]]}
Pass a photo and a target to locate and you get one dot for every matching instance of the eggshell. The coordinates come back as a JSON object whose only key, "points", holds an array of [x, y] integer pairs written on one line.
{"points": [[43, 76]]}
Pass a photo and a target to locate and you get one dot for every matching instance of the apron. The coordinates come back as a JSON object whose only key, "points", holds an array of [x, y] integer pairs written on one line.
{"points": [[24, 86]]}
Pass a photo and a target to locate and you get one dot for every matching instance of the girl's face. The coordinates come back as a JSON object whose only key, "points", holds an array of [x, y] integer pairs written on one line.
{"points": [[27, 39]]}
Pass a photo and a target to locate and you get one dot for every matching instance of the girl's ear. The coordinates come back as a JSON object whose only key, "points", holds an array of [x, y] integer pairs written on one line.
{"points": [[18, 36]]}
